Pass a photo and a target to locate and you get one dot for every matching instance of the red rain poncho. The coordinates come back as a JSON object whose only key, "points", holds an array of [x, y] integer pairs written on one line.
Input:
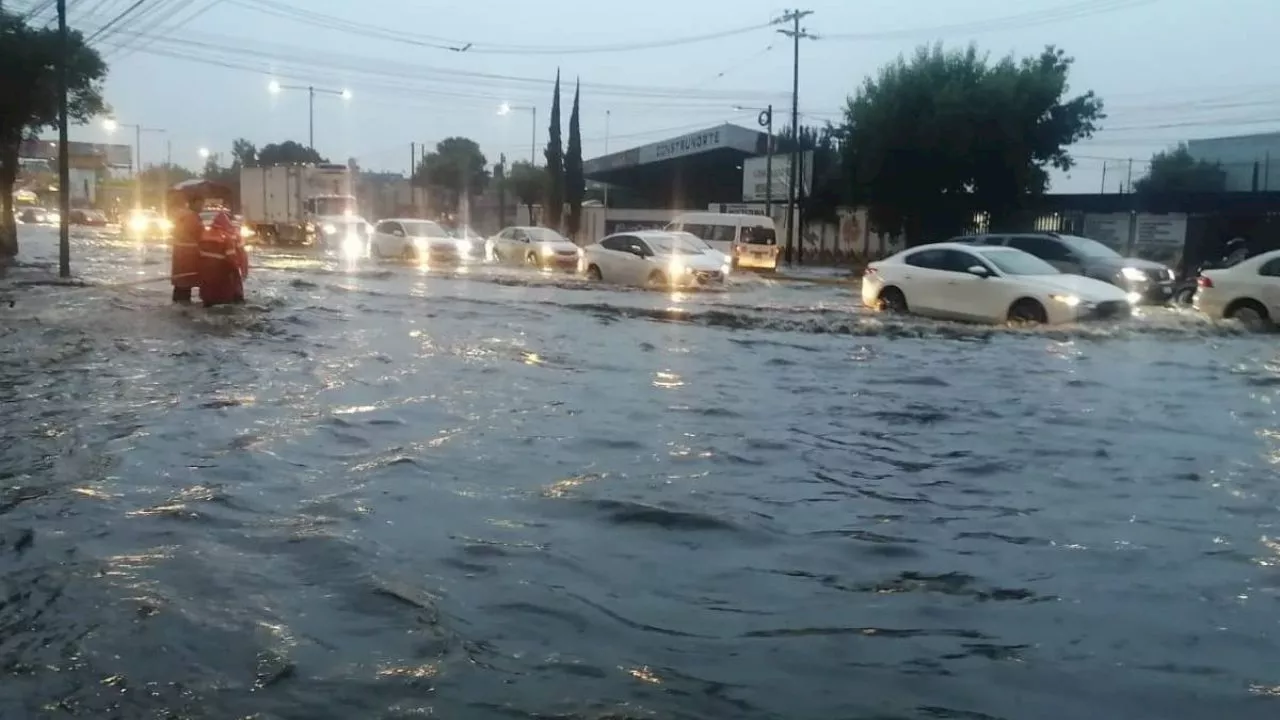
{"points": [[223, 263]]}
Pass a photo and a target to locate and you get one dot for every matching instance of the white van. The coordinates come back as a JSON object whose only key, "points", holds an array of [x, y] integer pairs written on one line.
{"points": [[751, 240]]}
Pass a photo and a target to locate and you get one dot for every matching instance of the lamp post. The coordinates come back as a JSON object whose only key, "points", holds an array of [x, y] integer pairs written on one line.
{"points": [[276, 88], [507, 108], [111, 125]]}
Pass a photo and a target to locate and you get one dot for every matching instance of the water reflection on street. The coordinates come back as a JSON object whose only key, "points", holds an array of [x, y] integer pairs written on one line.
{"points": [[384, 491]]}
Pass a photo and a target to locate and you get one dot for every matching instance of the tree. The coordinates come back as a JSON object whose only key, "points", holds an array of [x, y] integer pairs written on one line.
{"points": [[554, 206], [243, 153], [529, 184], [929, 141], [29, 61], [575, 185], [1176, 171], [456, 167], [287, 153]]}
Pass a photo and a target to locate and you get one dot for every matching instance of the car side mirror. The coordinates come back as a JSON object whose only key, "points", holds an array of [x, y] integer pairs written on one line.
{"points": [[979, 271]]}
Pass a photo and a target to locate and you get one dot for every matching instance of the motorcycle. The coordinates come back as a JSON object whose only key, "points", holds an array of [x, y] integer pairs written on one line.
{"points": [[1184, 292]]}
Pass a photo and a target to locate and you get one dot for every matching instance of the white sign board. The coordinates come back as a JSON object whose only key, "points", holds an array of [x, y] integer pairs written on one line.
{"points": [[1169, 229], [756, 189], [1110, 229]]}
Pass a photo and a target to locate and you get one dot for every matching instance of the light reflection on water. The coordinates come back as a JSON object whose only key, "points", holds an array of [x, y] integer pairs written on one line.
{"points": [[382, 491]]}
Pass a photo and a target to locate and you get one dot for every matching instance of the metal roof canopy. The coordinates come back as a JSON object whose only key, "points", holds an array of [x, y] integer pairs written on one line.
{"points": [[692, 169]]}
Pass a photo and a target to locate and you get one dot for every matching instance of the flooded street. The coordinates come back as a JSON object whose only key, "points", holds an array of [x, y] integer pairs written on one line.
{"points": [[381, 492]]}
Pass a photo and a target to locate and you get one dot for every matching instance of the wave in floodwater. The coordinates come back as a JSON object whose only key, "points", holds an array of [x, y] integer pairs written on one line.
{"points": [[393, 494]]}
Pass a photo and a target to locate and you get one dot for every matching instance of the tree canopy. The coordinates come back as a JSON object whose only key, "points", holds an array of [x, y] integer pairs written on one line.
{"points": [[936, 137], [1175, 171], [284, 153], [575, 184], [553, 210], [456, 167], [528, 183], [29, 58]]}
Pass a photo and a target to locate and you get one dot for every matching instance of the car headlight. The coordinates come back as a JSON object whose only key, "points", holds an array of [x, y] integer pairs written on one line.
{"points": [[351, 245], [329, 228], [725, 268], [546, 250], [1068, 300], [165, 224], [246, 232], [1134, 298], [137, 224], [464, 246], [1132, 273]]}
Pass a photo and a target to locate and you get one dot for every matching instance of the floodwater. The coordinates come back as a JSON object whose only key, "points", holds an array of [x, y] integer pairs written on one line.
{"points": [[379, 492]]}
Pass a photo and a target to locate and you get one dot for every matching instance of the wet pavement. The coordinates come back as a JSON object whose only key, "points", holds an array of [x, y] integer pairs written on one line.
{"points": [[384, 492]]}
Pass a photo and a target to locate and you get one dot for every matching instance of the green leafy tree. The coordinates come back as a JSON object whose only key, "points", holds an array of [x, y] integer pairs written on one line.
{"points": [[575, 185], [529, 184], [243, 153], [457, 168], [1176, 171], [287, 153], [29, 60], [932, 139], [554, 206]]}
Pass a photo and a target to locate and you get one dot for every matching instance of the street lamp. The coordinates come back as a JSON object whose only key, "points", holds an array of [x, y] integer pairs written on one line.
{"points": [[506, 109], [275, 88], [766, 121], [111, 125], [204, 153]]}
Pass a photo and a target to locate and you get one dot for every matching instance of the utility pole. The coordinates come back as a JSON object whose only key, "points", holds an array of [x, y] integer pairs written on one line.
{"points": [[608, 115], [1103, 190], [795, 33], [64, 152], [767, 121]]}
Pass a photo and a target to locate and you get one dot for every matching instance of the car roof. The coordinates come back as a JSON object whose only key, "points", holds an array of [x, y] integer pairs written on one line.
{"points": [[435, 222], [945, 246]]}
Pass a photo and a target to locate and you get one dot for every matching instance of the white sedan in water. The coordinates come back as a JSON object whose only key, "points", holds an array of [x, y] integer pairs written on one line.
{"points": [[419, 240], [534, 246], [955, 281], [654, 258], [1248, 291]]}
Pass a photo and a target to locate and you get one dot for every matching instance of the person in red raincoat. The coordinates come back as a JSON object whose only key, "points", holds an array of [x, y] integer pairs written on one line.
{"points": [[184, 267], [223, 263]]}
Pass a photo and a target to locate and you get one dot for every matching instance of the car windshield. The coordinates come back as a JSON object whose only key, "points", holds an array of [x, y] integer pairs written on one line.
{"points": [[672, 245], [423, 228], [545, 235], [693, 240], [1012, 262], [1088, 248]]}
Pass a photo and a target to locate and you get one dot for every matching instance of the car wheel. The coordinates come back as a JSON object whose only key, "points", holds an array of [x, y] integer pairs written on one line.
{"points": [[1027, 312], [657, 280], [1184, 296], [532, 260], [593, 274], [408, 254], [1249, 313], [893, 301]]}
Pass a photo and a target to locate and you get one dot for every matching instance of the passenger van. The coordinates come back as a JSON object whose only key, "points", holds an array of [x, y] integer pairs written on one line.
{"points": [[750, 240]]}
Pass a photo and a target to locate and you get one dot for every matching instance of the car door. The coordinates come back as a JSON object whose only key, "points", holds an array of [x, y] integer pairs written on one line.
{"points": [[966, 295], [633, 266], [921, 281], [1268, 286], [385, 240], [611, 257]]}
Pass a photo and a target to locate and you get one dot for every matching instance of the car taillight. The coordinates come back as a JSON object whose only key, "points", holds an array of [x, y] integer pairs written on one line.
{"points": [[1204, 282]]}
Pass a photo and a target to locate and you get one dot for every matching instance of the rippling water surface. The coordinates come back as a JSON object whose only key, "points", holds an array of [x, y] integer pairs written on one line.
{"points": [[380, 492]]}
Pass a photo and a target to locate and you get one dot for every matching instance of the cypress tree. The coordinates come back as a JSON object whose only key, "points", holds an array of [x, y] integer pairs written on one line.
{"points": [[554, 210]]}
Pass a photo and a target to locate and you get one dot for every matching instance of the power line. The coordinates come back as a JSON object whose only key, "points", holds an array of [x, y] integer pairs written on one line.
{"points": [[439, 43], [106, 30], [1044, 16]]}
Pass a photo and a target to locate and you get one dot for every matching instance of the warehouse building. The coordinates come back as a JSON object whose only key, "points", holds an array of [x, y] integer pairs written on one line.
{"points": [[1246, 159]]}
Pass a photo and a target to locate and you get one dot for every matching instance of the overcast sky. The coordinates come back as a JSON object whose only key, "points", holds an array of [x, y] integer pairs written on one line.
{"points": [[1168, 70]]}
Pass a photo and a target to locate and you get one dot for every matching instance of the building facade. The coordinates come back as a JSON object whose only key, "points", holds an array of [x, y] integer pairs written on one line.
{"points": [[1246, 159]]}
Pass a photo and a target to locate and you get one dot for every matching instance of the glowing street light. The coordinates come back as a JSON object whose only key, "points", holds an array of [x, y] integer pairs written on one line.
{"points": [[275, 88], [506, 108], [204, 153]]}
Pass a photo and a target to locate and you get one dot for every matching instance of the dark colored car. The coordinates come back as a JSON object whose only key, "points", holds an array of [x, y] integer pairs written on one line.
{"points": [[1077, 255], [90, 218]]}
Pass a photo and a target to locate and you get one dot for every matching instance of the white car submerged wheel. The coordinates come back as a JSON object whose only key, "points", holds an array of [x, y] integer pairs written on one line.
{"points": [[893, 301], [594, 274], [1249, 314], [1027, 312]]}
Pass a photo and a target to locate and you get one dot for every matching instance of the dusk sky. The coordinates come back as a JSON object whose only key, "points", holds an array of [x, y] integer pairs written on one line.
{"points": [[1168, 70]]}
